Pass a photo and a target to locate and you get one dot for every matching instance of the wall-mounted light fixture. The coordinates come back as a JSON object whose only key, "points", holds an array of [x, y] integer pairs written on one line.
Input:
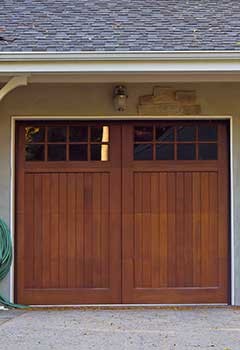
{"points": [[120, 98]]}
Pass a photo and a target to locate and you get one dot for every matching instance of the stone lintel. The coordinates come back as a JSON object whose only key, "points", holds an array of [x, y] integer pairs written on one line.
{"points": [[160, 109]]}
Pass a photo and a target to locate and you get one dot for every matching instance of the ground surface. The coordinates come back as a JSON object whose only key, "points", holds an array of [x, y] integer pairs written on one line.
{"points": [[131, 329]]}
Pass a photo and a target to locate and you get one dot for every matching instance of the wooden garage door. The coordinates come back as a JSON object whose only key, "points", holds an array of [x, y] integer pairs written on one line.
{"points": [[68, 213], [175, 213], [133, 212]]}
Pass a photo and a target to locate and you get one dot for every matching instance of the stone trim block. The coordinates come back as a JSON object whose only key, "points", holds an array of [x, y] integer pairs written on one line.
{"points": [[190, 109], [163, 94], [160, 109], [186, 97], [167, 101]]}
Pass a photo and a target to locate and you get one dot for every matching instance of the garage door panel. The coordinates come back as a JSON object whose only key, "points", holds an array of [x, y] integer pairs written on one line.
{"points": [[176, 240], [71, 222], [67, 229], [131, 212], [179, 296], [175, 217], [29, 230]]}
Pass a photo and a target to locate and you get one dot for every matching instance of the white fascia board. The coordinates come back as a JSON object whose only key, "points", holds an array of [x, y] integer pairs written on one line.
{"points": [[118, 55], [119, 62]]}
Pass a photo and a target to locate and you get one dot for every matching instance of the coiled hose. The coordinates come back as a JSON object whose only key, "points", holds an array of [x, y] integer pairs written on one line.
{"points": [[6, 260]]}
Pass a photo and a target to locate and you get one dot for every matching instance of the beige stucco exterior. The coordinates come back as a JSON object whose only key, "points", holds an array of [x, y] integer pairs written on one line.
{"points": [[215, 99]]}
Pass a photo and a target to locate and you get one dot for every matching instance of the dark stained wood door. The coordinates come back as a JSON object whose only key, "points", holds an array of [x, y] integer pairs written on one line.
{"points": [[122, 212], [68, 214], [175, 213]]}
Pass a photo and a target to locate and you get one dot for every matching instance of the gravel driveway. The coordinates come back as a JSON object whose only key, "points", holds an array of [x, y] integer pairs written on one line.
{"points": [[128, 329]]}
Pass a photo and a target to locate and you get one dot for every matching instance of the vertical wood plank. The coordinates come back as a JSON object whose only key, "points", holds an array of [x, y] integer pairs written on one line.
{"points": [[54, 230], [80, 263], [88, 227], [204, 230], [96, 233], [105, 230], [213, 239], [29, 228], [196, 200], [155, 225], [138, 230], [38, 207], [188, 230], [46, 230], [63, 242], [180, 241], [171, 229], [71, 229], [146, 230], [163, 244]]}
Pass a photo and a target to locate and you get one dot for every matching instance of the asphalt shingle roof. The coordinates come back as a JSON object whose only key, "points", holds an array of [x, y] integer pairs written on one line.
{"points": [[113, 25]]}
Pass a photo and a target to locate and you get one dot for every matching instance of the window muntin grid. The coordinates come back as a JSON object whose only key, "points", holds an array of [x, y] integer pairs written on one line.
{"points": [[180, 142], [67, 143]]}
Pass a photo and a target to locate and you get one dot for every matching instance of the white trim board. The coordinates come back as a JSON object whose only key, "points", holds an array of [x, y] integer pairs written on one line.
{"points": [[110, 67], [14, 119], [149, 61], [73, 55]]}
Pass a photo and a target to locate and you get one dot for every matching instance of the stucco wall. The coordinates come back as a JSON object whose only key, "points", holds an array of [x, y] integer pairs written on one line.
{"points": [[96, 99]]}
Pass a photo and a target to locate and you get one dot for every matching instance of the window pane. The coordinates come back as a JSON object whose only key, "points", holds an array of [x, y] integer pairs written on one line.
{"points": [[100, 134], [142, 133], [186, 133], [186, 151], [34, 152], [207, 133], [207, 151], [57, 134], [78, 152], [165, 133], [78, 133], [165, 151], [56, 152], [34, 134], [99, 152], [143, 152]]}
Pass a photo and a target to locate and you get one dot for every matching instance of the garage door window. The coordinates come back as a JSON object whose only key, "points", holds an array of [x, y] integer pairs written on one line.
{"points": [[184, 142], [67, 143]]}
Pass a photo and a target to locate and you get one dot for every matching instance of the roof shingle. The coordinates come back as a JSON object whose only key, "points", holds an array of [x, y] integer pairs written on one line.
{"points": [[126, 25]]}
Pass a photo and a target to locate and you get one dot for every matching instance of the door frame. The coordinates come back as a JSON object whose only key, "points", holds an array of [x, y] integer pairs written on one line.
{"points": [[15, 119]]}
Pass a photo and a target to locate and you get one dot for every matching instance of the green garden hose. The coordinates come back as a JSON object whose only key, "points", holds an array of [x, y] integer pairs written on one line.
{"points": [[6, 260]]}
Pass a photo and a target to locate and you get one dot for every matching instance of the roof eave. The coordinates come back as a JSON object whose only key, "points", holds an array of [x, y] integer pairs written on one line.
{"points": [[118, 55], [119, 62]]}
